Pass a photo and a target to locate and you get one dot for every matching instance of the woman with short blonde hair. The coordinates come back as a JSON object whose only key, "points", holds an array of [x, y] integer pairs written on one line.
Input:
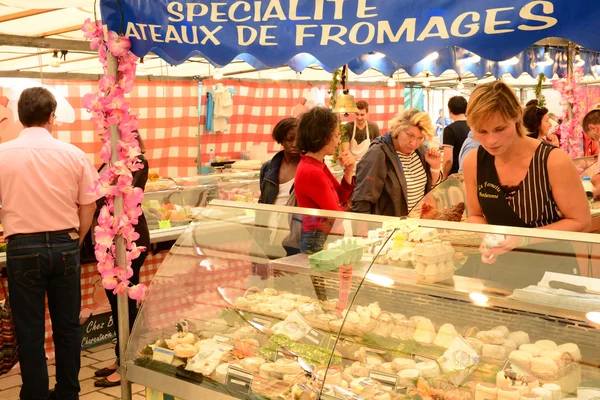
{"points": [[397, 170], [515, 180]]}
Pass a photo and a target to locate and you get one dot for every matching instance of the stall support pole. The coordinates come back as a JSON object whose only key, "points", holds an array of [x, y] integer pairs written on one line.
{"points": [[121, 257]]}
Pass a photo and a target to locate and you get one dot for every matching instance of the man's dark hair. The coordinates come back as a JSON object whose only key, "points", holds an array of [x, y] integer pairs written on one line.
{"points": [[591, 118], [282, 129], [362, 105], [315, 129], [36, 105], [457, 105], [532, 119]]}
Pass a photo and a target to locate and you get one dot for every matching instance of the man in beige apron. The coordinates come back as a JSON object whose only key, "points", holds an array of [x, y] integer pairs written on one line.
{"points": [[360, 132]]}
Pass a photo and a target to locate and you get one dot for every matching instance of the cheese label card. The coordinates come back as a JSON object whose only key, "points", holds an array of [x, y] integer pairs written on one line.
{"points": [[388, 381], [315, 337], [239, 379], [163, 355]]}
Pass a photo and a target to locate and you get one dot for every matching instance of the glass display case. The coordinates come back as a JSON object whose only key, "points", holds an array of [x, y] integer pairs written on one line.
{"points": [[173, 203], [390, 309], [447, 201]]}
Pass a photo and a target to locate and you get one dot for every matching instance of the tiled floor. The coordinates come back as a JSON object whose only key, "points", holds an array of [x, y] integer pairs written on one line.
{"points": [[91, 360]]}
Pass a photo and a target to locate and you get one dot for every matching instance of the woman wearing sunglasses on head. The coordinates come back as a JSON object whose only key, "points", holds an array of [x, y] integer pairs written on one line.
{"points": [[397, 170]]}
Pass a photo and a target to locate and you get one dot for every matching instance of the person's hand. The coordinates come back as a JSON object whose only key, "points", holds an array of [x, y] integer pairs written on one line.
{"points": [[347, 160], [433, 157], [490, 255], [551, 139]]}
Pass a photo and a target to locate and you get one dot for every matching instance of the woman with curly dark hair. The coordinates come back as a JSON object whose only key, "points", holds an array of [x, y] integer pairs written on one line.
{"points": [[316, 187]]}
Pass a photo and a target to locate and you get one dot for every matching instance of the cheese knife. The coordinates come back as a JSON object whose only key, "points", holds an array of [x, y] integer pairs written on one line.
{"points": [[571, 287]]}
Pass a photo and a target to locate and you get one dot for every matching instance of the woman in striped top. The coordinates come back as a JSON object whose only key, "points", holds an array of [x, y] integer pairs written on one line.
{"points": [[515, 180], [397, 171]]}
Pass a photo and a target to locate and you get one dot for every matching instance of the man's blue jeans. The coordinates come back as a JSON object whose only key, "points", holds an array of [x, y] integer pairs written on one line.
{"points": [[40, 264]]}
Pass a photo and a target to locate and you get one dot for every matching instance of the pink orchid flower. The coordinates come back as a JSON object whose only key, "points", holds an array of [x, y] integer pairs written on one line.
{"points": [[118, 45], [138, 292], [93, 103], [110, 282], [107, 83], [104, 235], [91, 29], [122, 288]]}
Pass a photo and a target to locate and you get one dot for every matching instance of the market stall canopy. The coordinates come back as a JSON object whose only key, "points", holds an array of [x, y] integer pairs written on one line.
{"points": [[331, 33]]}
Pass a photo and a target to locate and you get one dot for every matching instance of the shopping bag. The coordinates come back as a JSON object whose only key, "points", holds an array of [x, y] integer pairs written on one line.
{"points": [[8, 338]]}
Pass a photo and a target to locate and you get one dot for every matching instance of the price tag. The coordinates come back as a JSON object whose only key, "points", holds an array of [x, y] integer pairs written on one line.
{"points": [[388, 381], [315, 337], [221, 339], [258, 321], [239, 379], [163, 355], [344, 287]]}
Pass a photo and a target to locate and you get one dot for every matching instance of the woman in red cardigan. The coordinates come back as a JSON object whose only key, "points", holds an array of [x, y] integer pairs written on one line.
{"points": [[316, 187]]}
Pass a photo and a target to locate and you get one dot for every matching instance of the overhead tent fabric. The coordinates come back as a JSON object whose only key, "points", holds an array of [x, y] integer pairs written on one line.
{"points": [[331, 33]]}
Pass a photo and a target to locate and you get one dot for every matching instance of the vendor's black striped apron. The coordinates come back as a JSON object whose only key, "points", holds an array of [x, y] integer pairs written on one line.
{"points": [[531, 206]]}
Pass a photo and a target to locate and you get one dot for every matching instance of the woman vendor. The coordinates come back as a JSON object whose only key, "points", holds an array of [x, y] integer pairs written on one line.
{"points": [[515, 180]]}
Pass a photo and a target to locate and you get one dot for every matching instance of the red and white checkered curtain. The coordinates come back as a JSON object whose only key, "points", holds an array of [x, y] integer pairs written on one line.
{"points": [[257, 107], [168, 113]]}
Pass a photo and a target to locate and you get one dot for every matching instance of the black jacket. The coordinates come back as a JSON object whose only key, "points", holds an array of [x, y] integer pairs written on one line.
{"points": [[269, 179], [380, 181]]}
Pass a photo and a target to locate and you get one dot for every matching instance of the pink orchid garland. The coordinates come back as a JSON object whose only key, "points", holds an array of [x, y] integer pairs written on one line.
{"points": [[110, 107], [573, 95]]}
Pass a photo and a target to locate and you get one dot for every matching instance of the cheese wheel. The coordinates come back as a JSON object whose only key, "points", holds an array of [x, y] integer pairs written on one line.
{"points": [[445, 336], [532, 349], [557, 356], [385, 367], [429, 369], [491, 337], [486, 391], [494, 352], [546, 344], [544, 366], [531, 396], [411, 374], [475, 344], [519, 337], [502, 329], [252, 363], [508, 393], [400, 364], [425, 331], [185, 350], [509, 345], [572, 349], [502, 381], [555, 389], [544, 393], [521, 358]]}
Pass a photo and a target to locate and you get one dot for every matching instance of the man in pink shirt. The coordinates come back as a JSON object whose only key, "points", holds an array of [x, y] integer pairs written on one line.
{"points": [[45, 211]]}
